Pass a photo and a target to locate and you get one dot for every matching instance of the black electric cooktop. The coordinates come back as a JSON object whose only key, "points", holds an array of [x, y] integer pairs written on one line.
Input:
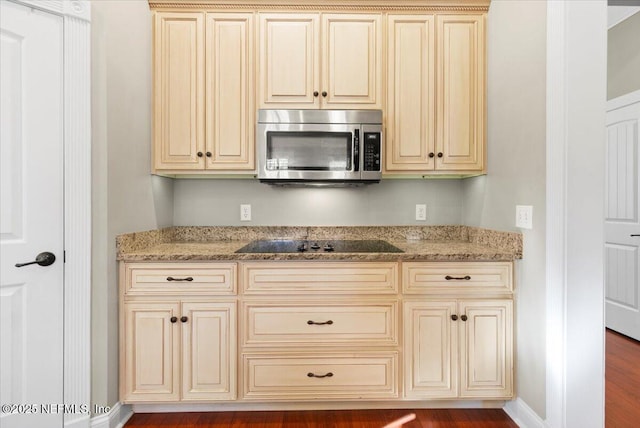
{"points": [[311, 246]]}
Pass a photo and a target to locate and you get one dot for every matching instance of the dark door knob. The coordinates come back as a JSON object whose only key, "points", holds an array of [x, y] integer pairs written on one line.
{"points": [[324, 93], [315, 93], [173, 320], [440, 154], [199, 154], [42, 259], [454, 317], [431, 154], [464, 318], [184, 319]]}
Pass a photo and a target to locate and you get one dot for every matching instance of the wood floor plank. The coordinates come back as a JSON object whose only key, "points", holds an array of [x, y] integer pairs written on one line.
{"points": [[622, 386]]}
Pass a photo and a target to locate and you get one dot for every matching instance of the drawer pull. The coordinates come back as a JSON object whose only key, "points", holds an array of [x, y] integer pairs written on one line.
{"points": [[310, 322], [319, 376], [170, 278], [449, 277]]}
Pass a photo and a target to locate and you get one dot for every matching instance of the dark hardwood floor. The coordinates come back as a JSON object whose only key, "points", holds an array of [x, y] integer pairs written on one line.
{"points": [[622, 406], [622, 375], [432, 418]]}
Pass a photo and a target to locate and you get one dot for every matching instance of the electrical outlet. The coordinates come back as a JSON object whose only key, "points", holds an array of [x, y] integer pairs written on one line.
{"points": [[421, 212], [524, 216], [245, 212]]}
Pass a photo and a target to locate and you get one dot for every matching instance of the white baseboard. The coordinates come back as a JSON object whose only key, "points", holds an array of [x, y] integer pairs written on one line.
{"points": [[523, 415], [116, 418]]}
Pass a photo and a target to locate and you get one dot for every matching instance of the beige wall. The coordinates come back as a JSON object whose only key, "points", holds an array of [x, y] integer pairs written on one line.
{"points": [[126, 197], [623, 57], [516, 171]]}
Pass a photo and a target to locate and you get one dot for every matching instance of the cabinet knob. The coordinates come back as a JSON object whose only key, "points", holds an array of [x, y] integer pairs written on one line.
{"points": [[184, 319], [454, 317], [199, 154], [440, 154], [431, 154], [316, 93], [209, 154], [463, 318], [173, 320], [324, 93]]}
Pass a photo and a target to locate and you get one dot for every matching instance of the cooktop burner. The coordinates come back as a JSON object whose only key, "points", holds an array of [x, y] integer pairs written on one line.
{"points": [[312, 246]]}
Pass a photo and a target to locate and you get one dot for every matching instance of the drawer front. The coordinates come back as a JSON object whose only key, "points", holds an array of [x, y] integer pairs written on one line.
{"points": [[446, 277], [299, 324], [180, 278], [320, 278], [353, 376]]}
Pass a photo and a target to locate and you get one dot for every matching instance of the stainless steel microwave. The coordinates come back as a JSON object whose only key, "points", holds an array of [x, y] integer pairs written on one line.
{"points": [[319, 146]]}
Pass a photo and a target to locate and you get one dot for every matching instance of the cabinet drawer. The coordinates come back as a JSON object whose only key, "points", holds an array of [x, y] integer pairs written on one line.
{"points": [[308, 323], [446, 277], [353, 376], [180, 278], [320, 277]]}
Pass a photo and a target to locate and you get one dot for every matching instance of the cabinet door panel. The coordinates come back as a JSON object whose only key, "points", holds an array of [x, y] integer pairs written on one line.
{"points": [[289, 61], [230, 112], [151, 352], [430, 337], [411, 93], [352, 61], [486, 349], [179, 91], [208, 351], [461, 91]]}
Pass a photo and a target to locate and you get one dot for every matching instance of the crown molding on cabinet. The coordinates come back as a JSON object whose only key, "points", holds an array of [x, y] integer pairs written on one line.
{"points": [[382, 5]]}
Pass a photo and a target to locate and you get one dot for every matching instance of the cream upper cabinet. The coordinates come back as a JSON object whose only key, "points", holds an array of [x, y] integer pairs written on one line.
{"points": [[320, 61], [203, 92], [179, 91], [460, 110], [436, 94], [230, 112], [410, 141]]}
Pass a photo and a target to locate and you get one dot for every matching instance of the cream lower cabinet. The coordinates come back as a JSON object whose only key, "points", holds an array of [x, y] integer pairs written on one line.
{"points": [[458, 349], [177, 348], [319, 330]]}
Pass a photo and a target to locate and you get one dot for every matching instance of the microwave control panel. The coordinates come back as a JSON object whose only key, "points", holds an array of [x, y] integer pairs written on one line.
{"points": [[372, 151]]}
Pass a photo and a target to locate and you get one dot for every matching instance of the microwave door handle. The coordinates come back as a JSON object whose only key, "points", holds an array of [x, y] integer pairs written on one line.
{"points": [[356, 150]]}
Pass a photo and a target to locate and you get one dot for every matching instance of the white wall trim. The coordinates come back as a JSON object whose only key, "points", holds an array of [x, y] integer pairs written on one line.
{"points": [[556, 213], [77, 178], [116, 418], [576, 95], [72, 8], [623, 100], [523, 415]]}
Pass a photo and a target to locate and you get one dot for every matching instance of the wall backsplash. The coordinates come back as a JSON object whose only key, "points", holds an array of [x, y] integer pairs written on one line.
{"points": [[200, 202]]}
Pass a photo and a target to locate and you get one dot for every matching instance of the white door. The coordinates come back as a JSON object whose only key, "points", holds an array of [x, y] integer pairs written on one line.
{"points": [[622, 224], [31, 216]]}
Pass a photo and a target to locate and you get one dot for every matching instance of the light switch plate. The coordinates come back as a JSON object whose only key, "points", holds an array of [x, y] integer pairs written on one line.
{"points": [[524, 216], [245, 212], [421, 212]]}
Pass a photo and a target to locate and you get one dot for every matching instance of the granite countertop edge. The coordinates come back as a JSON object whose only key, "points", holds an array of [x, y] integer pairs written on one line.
{"points": [[419, 243]]}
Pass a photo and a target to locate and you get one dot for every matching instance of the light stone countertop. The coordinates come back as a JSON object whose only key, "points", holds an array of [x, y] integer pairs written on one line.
{"points": [[419, 243]]}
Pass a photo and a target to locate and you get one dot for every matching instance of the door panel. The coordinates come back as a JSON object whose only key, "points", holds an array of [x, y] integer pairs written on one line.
{"points": [[289, 61], [32, 212], [460, 92], [179, 90], [230, 112], [622, 257], [208, 351], [411, 100], [430, 337], [352, 61], [486, 349]]}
